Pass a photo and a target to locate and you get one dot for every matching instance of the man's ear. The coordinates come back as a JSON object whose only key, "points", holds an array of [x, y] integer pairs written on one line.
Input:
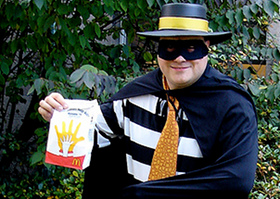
{"points": [[207, 43]]}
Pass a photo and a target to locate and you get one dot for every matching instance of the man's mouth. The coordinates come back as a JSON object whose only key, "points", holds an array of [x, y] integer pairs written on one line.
{"points": [[179, 67]]}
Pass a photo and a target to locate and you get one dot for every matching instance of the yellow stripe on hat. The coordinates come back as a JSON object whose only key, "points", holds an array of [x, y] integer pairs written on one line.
{"points": [[183, 23]]}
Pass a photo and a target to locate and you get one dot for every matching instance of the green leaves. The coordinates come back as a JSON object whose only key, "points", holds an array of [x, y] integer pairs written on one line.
{"points": [[148, 56], [254, 89], [97, 30], [239, 17], [269, 7], [247, 12], [83, 41], [266, 95], [124, 5], [77, 75], [142, 4], [276, 54], [39, 3], [36, 157], [5, 68], [150, 3], [249, 24], [261, 91], [38, 86], [230, 16], [93, 79], [48, 22]]}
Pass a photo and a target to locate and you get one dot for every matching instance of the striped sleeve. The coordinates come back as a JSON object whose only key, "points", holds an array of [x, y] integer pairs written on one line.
{"points": [[110, 119]]}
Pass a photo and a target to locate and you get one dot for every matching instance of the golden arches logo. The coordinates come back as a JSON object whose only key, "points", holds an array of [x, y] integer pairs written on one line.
{"points": [[76, 162]]}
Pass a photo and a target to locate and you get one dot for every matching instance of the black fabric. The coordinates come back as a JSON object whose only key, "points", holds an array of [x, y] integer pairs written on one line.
{"points": [[189, 49], [107, 174], [144, 117], [223, 119], [183, 10]]}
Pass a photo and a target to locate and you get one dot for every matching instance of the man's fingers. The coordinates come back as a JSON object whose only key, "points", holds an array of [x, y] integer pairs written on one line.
{"points": [[45, 114], [51, 102], [46, 106], [55, 101], [60, 99]]}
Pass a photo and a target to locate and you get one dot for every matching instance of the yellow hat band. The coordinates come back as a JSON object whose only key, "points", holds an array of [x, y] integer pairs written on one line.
{"points": [[183, 23]]}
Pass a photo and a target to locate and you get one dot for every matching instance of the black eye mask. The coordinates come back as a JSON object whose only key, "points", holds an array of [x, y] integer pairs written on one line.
{"points": [[189, 49]]}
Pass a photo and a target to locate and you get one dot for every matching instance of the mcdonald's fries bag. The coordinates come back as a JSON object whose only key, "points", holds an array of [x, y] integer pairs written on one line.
{"points": [[70, 139]]}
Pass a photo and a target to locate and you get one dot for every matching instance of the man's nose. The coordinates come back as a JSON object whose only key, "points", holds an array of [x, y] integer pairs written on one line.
{"points": [[180, 58]]}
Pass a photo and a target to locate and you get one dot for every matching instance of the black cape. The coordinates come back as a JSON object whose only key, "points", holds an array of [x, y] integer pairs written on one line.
{"points": [[223, 118]]}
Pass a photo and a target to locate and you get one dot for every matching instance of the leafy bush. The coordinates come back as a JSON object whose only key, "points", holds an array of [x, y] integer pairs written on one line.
{"points": [[265, 92], [63, 46]]}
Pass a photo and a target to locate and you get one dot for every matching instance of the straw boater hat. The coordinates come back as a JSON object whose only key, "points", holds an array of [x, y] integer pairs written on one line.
{"points": [[184, 19]]}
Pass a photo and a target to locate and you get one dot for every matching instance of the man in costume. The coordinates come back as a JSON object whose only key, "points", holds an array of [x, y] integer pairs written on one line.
{"points": [[186, 130]]}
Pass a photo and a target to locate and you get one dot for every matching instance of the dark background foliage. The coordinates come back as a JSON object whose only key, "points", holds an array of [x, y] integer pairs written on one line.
{"points": [[89, 49]]}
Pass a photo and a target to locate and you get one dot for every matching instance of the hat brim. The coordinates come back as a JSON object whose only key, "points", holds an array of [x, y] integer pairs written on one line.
{"points": [[213, 37]]}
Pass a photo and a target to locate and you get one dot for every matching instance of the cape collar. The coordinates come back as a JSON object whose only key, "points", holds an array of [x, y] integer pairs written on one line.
{"points": [[151, 83]]}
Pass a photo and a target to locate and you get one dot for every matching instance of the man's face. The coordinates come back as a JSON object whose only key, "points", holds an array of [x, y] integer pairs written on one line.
{"points": [[179, 71]]}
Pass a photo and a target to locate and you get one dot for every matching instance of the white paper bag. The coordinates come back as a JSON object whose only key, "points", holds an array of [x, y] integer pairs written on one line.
{"points": [[70, 139]]}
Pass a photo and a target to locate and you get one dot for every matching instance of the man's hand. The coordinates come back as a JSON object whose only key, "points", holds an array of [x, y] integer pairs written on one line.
{"points": [[54, 101]]}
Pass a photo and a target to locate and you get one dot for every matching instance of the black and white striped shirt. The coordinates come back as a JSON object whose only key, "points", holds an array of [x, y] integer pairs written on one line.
{"points": [[139, 120]]}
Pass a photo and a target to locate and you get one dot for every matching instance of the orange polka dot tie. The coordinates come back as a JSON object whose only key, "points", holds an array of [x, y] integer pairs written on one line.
{"points": [[164, 162]]}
